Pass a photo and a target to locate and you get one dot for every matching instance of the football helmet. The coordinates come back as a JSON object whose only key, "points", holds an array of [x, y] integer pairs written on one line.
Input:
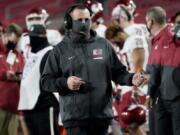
{"points": [[36, 16]]}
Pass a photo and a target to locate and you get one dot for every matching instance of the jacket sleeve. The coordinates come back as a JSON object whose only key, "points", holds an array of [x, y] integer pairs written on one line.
{"points": [[119, 72], [52, 79], [155, 79], [43, 61]]}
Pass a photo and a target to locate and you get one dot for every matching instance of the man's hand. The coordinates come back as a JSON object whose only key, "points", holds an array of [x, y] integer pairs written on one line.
{"points": [[74, 83], [140, 80], [146, 79], [149, 103]]}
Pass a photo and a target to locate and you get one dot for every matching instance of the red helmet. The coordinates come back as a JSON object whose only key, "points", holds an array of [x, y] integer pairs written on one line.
{"points": [[97, 10], [36, 16], [123, 2], [134, 114]]}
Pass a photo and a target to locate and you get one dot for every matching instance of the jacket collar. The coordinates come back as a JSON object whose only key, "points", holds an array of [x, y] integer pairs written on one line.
{"points": [[77, 38], [165, 32]]}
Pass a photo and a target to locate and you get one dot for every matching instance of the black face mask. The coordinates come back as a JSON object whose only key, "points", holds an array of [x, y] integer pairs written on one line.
{"points": [[80, 27], [150, 27], [38, 43], [11, 45]]}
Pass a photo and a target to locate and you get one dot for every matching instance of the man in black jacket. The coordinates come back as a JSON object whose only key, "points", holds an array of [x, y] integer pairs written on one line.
{"points": [[80, 69]]}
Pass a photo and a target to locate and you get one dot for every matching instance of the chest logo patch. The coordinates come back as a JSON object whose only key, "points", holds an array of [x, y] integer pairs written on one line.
{"points": [[166, 47], [97, 54]]}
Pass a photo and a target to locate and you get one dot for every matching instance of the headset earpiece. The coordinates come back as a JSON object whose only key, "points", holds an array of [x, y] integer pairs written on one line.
{"points": [[68, 18], [67, 21]]}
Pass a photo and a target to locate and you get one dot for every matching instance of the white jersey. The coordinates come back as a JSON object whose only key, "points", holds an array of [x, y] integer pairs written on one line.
{"points": [[100, 30], [137, 29], [132, 42], [53, 37], [140, 30], [30, 86]]}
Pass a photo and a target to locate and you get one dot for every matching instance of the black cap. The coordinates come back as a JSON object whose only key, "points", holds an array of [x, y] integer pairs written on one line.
{"points": [[37, 29]]}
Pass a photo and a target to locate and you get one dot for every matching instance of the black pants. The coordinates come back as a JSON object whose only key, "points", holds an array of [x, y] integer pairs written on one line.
{"points": [[168, 117], [88, 130], [152, 122], [43, 122]]}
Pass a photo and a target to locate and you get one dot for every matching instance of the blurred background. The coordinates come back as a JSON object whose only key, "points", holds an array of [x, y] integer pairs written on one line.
{"points": [[16, 10]]}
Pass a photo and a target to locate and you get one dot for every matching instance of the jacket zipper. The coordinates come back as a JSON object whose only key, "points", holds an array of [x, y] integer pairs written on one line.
{"points": [[86, 65]]}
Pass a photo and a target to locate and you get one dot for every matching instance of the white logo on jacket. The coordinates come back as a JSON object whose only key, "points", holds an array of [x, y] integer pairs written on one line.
{"points": [[97, 54]]}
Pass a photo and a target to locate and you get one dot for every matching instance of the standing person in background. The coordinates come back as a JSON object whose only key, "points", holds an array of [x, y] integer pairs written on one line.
{"points": [[112, 34], [40, 108], [137, 43], [135, 50], [80, 69], [163, 63], [11, 66], [37, 16], [97, 17]]}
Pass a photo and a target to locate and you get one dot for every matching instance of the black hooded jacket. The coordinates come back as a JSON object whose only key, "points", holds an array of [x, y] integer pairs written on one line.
{"points": [[93, 60]]}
